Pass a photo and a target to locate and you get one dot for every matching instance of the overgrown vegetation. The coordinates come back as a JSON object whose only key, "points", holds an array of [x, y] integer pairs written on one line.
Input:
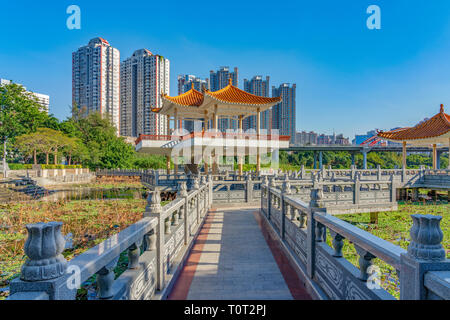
{"points": [[90, 222], [33, 136], [393, 227]]}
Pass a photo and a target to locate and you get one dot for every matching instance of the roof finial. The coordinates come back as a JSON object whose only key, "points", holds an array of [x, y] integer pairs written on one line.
{"points": [[192, 85], [442, 108], [230, 81]]}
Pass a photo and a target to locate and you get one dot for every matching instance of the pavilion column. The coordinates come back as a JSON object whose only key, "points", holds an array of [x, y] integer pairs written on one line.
{"points": [[258, 133], [176, 119], [168, 164], [434, 157], [404, 155], [240, 157], [168, 125], [448, 159], [215, 120], [215, 127]]}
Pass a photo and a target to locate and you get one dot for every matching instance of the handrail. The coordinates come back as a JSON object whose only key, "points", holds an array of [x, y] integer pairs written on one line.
{"points": [[159, 233], [382, 249], [288, 217]]}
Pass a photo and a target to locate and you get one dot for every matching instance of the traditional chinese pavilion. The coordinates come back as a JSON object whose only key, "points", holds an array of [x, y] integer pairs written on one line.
{"points": [[433, 132], [208, 107]]}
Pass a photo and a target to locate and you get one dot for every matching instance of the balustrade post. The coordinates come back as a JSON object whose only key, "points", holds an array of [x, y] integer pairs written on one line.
{"points": [[425, 253], [285, 191], [393, 190], [249, 187], [182, 192], [156, 178], [310, 243], [357, 189], [154, 209], [45, 266]]}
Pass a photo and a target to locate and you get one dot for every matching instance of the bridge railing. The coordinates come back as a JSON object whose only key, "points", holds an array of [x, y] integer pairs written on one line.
{"points": [[302, 228], [156, 246], [120, 172], [437, 172]]}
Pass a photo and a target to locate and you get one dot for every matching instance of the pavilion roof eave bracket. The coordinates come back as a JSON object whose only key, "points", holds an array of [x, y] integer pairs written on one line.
{"points": [[443, 139]]}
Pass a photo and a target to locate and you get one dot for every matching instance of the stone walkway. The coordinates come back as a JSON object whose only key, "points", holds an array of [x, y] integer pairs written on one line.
{"points": [[233, 259]]}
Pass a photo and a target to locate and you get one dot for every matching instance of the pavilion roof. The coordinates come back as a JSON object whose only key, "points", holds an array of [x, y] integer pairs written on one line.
{"points": [[229, 101], [436, 127], [234, 95], [191, 98]]}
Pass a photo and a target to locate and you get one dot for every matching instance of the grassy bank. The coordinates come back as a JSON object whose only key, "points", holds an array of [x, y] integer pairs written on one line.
{"points": [[394, 227]]}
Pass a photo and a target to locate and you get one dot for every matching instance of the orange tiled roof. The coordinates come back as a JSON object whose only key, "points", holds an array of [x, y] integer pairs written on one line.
{"points": [[191, 98], [232, 94], [434, 127]]}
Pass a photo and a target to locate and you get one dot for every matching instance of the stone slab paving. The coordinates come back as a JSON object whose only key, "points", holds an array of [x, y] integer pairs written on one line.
{"points": [[235, 261]]}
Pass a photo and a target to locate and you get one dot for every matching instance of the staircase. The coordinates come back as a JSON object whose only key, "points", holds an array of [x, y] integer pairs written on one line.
{"points": [[21, 189]]}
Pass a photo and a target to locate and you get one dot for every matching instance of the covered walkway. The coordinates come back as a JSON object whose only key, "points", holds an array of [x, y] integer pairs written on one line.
{"points": [[234, 258]]}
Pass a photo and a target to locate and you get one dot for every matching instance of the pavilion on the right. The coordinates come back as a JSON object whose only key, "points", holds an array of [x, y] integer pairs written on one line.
{"points": [[433, 132]]}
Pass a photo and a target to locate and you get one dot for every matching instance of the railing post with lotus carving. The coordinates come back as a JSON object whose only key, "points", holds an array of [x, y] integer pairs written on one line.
{"points": [[425, 253]]}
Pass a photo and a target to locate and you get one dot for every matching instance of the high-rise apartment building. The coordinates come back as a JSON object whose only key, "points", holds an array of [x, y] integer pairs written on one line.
{"points": [[185, 83], [283, 114], [42, 99], [259, 87], [219, 80], [96, 79], [143, 77]]}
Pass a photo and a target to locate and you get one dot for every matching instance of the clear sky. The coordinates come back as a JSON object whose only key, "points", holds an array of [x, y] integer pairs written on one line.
{"points": [[349, 79]]}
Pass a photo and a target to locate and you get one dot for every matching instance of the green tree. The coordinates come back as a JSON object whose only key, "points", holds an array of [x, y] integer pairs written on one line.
{"points": [[19, 111]]}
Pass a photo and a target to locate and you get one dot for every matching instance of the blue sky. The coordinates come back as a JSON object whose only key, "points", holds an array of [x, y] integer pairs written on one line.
{"points": [[349, 79]]}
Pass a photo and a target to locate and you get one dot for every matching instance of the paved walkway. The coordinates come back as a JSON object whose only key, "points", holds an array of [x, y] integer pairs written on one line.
{"points": [[235, 259]]}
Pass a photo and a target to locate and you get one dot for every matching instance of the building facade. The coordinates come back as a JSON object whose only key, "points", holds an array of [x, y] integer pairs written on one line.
{"points": [[42, 99], [185, 82], [306, 138], [143, 77], [332, 139], [283, 114], [259, 87], [96, 79], [219, 80]]}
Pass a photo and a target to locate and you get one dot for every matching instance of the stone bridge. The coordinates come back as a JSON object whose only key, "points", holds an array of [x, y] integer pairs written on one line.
{"points": [[243, 239]]}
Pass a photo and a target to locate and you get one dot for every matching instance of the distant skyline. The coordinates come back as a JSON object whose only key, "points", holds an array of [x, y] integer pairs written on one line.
{"points": [[349, 79]]}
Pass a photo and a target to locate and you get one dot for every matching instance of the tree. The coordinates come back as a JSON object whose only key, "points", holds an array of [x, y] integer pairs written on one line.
{"points": [[30, 144], [75, 150], [98, 134], [19, 111]]}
